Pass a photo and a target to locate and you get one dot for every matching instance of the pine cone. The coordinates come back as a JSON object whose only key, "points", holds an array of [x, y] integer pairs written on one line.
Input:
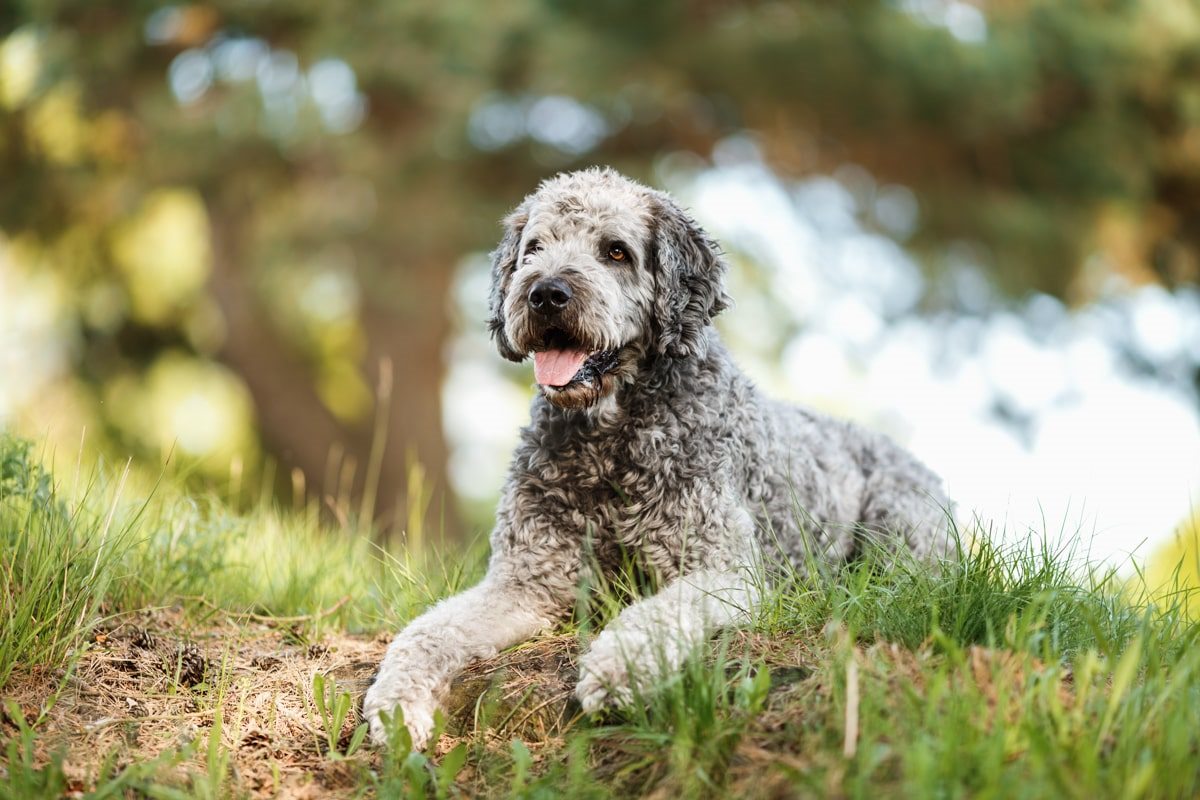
{"points": [[188, 665], [266, 663], [256, 740], [141, 639]]}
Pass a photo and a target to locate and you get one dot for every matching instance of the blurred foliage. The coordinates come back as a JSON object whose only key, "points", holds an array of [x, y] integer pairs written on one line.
{"points": [[285, 188], [1172, 574]]}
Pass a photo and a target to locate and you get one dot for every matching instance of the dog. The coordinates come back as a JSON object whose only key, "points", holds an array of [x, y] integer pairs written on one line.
{"points": [[646, 440]]}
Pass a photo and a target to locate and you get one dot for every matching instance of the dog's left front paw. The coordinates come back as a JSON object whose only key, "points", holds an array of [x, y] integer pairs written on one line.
{"points": [[616, 667], [594, 692]]}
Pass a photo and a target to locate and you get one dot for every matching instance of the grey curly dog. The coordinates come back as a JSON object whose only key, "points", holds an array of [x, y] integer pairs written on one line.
{"points": [[645, 439]]}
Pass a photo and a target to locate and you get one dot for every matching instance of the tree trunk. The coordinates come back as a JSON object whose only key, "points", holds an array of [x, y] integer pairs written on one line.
{"points": [[302, 434], [418, 498]]}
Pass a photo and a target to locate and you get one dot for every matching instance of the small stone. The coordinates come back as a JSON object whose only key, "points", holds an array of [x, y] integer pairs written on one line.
{"points": [[135, 708]]}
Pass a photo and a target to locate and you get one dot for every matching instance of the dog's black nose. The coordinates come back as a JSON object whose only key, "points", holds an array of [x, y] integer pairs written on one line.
{"points": [[549, 296]]}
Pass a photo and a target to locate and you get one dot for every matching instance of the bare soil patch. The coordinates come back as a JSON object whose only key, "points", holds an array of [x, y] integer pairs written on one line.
{"points": [[157, 680]]}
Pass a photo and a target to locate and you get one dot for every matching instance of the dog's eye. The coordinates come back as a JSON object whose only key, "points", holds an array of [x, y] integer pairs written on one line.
{"points": [[617, 253], [534, 246]]}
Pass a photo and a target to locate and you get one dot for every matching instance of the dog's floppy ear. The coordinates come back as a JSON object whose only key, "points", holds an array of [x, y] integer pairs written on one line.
{"points": [[689, 272], [504, 261]]}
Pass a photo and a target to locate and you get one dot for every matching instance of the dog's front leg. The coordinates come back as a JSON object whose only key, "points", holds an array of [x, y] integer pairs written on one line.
{"points": [[415, 675], [651, 638]]}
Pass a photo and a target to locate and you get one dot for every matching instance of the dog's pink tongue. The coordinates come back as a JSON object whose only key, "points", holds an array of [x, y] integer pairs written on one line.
{"points": [[557, 367]]}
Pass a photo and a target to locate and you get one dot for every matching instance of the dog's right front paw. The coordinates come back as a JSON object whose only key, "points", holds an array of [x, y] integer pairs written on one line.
{"points": [[383, 700]]}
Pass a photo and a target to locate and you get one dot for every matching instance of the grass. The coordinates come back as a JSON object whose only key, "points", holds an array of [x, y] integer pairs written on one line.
{"points": [[158, 644], [58, 564]]}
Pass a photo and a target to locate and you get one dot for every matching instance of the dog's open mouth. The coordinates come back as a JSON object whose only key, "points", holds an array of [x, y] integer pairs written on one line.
{"points": [[563, 361]]}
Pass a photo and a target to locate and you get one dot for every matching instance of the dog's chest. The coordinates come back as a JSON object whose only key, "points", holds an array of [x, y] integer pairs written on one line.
{"points": [[633, 491]]}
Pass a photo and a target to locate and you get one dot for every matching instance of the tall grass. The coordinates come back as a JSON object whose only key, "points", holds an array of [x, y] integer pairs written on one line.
{"points": [[58, 561], [111, 542], [1018, 594]]}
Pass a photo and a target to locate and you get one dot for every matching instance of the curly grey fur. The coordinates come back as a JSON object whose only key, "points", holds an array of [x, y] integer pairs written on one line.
{"points": [[674, 456]]}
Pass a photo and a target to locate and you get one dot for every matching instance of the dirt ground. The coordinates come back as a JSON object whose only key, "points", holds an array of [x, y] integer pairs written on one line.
{"points": [[158, 679], [155, 681]]}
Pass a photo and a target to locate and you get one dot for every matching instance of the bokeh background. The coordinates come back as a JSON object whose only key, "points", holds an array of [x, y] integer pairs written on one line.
{"points": [[248, 239]]}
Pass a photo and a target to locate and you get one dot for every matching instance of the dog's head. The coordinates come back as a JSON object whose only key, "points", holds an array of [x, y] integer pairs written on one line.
{"points": [[596, 276]]}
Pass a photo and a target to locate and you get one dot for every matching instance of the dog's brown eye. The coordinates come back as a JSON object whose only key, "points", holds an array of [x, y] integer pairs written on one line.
{"points": [[617, 253]]}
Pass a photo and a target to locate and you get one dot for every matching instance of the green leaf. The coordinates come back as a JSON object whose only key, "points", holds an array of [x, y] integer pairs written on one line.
{"points": [[452, 764], [356, 739]]}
